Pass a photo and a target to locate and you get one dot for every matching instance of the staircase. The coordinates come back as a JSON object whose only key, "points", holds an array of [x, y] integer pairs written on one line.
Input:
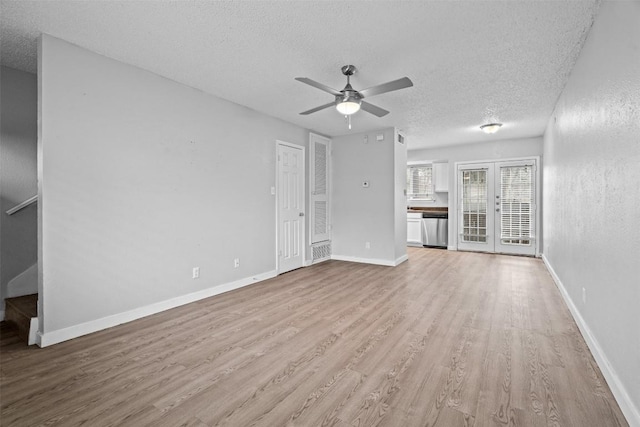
{"points": [[22, 312]]}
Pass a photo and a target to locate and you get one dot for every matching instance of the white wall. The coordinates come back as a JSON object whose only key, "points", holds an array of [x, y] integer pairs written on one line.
{"points": [[359, 214], [592, 197], [400, 195], [142, 179], [492, 150], [18, 174]]}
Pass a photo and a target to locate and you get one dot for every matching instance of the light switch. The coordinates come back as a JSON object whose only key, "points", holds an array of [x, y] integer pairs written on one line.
{"points": [[380, 137]]}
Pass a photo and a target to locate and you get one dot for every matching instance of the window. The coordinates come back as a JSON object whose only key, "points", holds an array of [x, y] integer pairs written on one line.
{"points": [[420, 182], [474, 202]]}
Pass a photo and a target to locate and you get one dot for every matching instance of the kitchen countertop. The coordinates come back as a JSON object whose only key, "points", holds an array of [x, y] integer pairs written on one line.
{"points": [[428, 209]]}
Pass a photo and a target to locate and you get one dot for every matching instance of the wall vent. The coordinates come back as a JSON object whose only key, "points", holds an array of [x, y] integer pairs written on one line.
{"points": [[321, 252]]}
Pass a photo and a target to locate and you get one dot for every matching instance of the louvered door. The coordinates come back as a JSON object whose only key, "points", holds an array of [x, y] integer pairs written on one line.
{"points": [[319, 161]]}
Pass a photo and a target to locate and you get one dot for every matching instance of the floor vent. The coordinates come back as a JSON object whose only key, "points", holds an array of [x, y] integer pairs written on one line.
{"points": [[321, 251]]}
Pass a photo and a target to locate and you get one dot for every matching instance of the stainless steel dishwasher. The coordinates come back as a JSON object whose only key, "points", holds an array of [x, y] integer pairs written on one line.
{"points": [[435, 229]]}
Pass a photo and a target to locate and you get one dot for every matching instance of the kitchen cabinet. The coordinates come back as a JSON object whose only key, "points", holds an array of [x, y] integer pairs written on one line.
{"points": [[414, 229], [441, 177]]}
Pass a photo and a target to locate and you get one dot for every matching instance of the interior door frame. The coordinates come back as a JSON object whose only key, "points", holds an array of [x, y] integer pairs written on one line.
{"points": [[454, 225], [303, 232]]}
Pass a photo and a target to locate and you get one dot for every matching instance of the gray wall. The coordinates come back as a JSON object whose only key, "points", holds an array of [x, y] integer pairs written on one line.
{"points": [[361, 215], [492, 150], [18, 160], [142, 179], [592, 196]]}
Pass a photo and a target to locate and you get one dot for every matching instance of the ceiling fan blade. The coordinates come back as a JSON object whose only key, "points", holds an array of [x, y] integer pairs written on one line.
{"points": [[387, 87], [318, 85], [373, 109], [322, 107]]}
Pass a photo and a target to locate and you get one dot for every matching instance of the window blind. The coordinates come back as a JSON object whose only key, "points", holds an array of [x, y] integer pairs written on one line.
{"points": [[420, 182], [516, 199], [474, 203]]}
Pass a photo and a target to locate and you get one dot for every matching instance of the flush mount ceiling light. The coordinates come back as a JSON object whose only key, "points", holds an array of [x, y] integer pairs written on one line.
{"points": [[491, 127]]}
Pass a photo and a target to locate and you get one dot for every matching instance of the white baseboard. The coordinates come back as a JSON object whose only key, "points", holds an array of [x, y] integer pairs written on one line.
{"points": [[630, 411], [54, 337], [374, 261], [402, 259]]}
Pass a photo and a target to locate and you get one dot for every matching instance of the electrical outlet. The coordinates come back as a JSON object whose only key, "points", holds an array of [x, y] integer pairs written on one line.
{"points": [[584, 296], [196, 273], [236, 263], [367, 245]]}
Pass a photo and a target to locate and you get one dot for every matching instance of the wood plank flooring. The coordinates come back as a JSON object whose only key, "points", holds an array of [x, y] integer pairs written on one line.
{"points": [[445, 339]]}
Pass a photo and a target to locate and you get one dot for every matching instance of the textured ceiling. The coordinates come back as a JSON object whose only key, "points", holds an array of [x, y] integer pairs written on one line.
{"points": [[471, 62]]}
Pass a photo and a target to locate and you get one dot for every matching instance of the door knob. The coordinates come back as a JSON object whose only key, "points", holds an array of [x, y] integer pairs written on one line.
{"points": [[497, 209], [301, 214]]}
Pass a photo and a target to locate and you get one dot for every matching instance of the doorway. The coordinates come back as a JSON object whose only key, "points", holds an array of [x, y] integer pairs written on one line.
{"points": [[496, 207], [290, 202]]}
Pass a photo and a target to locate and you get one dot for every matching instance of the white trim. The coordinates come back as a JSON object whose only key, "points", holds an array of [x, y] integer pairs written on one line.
{"points": [[630, 411], [374, 261], [33, 331], [54, 337], [402, 259]]}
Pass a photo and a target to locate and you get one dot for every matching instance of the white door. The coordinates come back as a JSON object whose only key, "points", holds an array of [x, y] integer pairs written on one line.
{"points": [[497, 210], [290, 200], [475, 219]]}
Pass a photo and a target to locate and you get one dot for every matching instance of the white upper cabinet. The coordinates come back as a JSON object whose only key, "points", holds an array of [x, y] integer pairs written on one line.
{"points": [[441, 177]]}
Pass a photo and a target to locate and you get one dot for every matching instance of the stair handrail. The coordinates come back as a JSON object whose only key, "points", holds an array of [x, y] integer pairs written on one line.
{"points": [[23, 205]]}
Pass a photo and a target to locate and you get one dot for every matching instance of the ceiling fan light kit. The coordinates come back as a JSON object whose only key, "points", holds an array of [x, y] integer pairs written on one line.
{"points": [[348, 106], [491, 127], [349, 101]]}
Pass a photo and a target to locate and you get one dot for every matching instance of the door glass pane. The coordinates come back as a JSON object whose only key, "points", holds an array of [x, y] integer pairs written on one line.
{"points": [[516, 199], [474, 205]]}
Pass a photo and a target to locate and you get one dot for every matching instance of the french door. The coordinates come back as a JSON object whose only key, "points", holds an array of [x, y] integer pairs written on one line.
{"points": [[496, 207]]}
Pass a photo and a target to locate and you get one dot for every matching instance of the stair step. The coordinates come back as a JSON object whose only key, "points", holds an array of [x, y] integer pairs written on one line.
{"points": [[19, 311]]}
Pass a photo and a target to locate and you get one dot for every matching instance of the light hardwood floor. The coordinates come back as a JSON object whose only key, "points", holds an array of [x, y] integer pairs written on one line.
{"points": [[445, 339]]}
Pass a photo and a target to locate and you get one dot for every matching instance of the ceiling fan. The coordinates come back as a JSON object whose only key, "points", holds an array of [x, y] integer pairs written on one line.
{"points": [[348, 100]]}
